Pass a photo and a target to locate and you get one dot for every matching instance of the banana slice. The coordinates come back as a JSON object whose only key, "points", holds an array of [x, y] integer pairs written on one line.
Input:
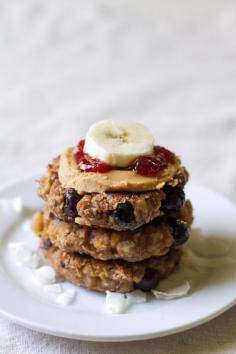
{"points": [[118, 142]]}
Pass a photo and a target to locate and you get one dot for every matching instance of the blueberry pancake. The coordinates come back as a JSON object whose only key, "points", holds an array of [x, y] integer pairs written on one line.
{"points": [[116, 275], [152, 239], [117, 211]]}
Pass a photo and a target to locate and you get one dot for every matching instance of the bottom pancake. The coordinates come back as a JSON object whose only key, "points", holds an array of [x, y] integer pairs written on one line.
{"points": [[114, 275]]}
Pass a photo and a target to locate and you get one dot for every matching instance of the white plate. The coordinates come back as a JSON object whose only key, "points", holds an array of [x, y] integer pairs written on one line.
{"points": [[87, 318]]}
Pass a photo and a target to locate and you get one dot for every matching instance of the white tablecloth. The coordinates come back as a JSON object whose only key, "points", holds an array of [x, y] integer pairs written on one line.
{"points": [[168, 64]]}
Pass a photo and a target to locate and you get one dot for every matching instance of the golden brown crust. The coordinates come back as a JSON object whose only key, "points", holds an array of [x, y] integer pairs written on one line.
{"points": [[116, 275], [116, 180]]}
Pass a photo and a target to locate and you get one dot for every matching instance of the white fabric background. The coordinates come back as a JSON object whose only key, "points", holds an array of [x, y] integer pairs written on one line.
{"points": [[168, 64]]}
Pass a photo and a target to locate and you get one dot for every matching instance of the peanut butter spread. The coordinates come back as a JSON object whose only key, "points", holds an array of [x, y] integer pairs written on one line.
{"points": [[116, 180]]}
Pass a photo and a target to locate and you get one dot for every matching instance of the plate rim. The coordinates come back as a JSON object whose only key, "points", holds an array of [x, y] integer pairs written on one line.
{"points": [[113, 339]]}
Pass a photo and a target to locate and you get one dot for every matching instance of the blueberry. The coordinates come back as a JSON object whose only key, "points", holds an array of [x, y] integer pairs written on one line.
{"points": [[47, 243], [175, 198], [52, 216], [124, 214], [62, 264], [180, 230], [71, 198], [150, 280]]}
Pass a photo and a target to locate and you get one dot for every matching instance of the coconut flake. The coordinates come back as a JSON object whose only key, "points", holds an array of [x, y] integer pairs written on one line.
{"points": [[45, 275], [67, 297], [175, 293], [119, 303], [25, 255], [116, 302]]}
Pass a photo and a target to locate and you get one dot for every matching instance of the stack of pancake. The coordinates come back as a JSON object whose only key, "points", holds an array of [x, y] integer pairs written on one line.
{"points": [[115, 231]]}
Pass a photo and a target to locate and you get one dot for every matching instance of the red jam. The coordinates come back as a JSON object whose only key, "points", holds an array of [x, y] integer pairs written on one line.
{"points": [[87, 163], [147, 165]]}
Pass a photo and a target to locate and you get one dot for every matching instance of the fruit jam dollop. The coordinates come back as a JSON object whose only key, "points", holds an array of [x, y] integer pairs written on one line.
{"points": [[146, 165]]}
